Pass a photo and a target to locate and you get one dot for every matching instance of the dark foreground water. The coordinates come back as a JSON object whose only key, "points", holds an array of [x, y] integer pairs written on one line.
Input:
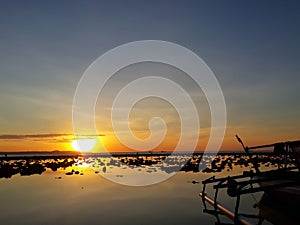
{"points": [[72, 190]]}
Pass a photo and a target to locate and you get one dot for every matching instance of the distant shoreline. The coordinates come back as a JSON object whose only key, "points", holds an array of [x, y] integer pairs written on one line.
{"points": [[50, 154]]}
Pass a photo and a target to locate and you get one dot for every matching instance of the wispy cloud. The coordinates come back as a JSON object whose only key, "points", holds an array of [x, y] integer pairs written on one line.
{"points": [[54, 137], [30, 136]]}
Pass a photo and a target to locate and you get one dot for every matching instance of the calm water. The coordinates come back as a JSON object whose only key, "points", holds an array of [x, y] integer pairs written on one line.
{"points": [[78, 194]]}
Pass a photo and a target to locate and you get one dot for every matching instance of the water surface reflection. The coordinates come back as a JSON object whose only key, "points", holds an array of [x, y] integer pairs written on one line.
{"points": [[68, 189]]}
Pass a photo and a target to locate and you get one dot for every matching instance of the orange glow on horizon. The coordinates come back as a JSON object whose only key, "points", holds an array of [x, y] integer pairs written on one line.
{"points": [[251, 137]]}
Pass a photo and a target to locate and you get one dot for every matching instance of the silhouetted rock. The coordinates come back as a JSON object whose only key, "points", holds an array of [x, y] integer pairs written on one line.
{"points": [[27, 166]]}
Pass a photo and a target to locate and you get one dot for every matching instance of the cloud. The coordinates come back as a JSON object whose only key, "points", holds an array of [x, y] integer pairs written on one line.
{"points": [[30, 136], [55, 137]]}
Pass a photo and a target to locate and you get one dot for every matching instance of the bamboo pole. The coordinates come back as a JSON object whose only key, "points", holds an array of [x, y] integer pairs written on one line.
{"points": [[225, 211]]}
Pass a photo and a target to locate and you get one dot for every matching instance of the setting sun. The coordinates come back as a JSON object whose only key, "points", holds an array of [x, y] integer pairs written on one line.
{"points": [[83, 145]]}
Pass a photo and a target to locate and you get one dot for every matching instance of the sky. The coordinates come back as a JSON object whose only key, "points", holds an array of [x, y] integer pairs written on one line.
{"points": [[252, 47]]}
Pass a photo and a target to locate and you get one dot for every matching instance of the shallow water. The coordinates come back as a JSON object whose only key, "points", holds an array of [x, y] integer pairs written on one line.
{"points": [[88, 198]]}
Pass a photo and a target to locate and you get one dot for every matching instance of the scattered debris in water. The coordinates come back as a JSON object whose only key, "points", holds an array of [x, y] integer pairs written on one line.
{"points": [[149, 163]]}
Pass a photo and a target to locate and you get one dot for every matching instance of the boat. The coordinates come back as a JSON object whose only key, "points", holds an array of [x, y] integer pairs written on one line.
{"points": [[280, 201]]}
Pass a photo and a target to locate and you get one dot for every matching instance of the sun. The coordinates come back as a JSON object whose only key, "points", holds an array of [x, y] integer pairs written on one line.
{"points": [[83, 145]]}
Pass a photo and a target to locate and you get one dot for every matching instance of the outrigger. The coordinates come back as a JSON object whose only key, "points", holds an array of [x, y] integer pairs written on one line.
{"points": [[281, 188]]}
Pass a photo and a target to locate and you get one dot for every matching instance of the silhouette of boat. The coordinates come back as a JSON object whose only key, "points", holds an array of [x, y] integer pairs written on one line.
{"points": [[279, 203]]}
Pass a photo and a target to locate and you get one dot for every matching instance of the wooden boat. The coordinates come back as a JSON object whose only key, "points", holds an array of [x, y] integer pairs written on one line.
{"points": [[281, 187]]}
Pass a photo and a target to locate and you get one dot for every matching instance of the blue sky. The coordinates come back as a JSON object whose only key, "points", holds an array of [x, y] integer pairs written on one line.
{"points": [[252, 47]]}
